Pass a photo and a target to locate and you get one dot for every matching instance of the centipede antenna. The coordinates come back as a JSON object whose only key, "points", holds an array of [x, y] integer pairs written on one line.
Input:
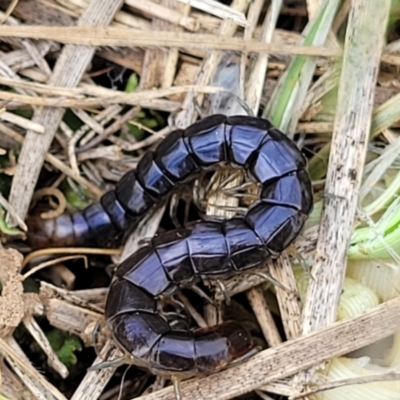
{"points": [[121, 387], [246, 356], [268, 277], [108, 364], [94, 338], [176, 382], [244, 105], [224, 292]]}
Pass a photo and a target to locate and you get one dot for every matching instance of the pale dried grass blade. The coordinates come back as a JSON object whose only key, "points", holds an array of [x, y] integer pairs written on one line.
{"points": [[255, 84], [94, 382], [22, 122], [93, 189], [121, 37], [222, 11], [264, 316], [208, 67], [36, 331], [33, 380], [145, 98], [289, 303], [363, 48], [165, 13]]}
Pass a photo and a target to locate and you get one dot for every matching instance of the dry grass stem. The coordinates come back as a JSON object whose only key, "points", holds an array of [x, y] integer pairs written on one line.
{"points": [[264, 316], [254, 85], [281, 270], [95, 381], [32, 379], [68, 72], [219, 10], [112, 36], [349, 146], [37, 333]]}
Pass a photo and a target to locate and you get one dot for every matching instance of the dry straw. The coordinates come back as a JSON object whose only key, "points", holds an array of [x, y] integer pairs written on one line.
{"points": [[176, 46]]}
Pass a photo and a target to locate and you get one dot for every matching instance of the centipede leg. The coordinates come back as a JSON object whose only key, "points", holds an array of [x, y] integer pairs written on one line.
{"points": [[95, 334], [173, 211], [109, 364], [293, 252], [224, 292], [246, 356], [269, 278], [202, 294], [176, 382]]}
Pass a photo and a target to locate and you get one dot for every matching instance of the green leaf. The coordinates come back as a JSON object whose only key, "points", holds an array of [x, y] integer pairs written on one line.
{"points": [[77, 197], [65, 345], [293, 85], [5, 228], [132, 83]]}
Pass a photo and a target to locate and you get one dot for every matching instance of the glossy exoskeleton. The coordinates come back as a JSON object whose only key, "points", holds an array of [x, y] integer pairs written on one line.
{"points": [[211, 249]]}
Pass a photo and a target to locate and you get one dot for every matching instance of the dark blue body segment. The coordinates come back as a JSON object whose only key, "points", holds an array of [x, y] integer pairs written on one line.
{"points": [[120, 217], [174, 159], [137, 332], [245, 249], [244, 143], [152, 178], [155, 281], [277, 226], [276, 157], [208, 250], [61, 231], [99, 222], [175, 352], [293, 190], [207, 143], [132, 195], [173, 252], [129, 298], [81, 227]]}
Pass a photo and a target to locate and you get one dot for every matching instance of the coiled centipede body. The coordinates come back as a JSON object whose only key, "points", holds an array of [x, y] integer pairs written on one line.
{"points": [[211, 249]]}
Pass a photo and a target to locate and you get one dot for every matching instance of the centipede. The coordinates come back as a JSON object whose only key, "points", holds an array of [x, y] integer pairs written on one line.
{"points": [[208, 249]]}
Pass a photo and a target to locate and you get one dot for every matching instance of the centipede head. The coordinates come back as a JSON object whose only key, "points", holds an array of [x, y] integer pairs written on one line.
{"points": [[239, 342]]}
